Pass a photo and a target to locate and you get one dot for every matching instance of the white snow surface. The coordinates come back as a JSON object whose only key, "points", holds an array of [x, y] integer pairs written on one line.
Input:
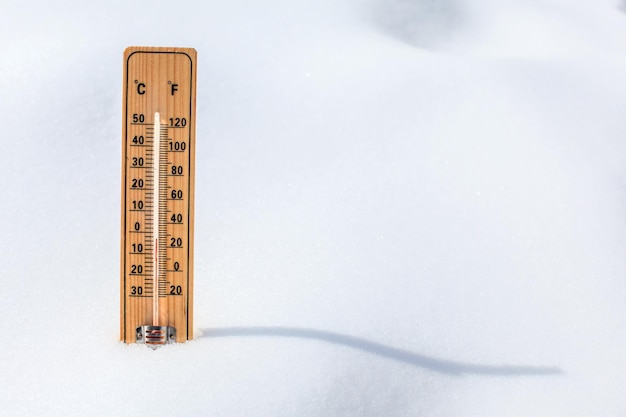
{"points": [[404, 208]]}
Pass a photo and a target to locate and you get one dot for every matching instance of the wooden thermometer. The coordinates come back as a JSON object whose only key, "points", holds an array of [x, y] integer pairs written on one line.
{"points": [[158, 150]]}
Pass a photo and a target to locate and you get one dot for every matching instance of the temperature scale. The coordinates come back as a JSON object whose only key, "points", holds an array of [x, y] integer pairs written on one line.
{"points": [[158, 151]]}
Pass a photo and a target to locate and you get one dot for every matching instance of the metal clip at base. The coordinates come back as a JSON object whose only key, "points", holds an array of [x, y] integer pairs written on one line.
{"points": [[155, 336]]}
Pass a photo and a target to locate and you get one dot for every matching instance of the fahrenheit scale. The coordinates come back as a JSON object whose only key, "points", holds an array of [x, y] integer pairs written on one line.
{"points": [[158, 151]]}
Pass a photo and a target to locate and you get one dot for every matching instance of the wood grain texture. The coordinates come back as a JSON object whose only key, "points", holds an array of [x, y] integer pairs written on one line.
{"points": [[157, 80]]}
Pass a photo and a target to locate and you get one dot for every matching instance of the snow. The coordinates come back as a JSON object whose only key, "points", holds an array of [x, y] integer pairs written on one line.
{"points": [[404, 207]]}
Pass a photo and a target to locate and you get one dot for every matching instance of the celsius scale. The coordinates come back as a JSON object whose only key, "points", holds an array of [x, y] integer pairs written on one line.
{"points": [[158, 152]]}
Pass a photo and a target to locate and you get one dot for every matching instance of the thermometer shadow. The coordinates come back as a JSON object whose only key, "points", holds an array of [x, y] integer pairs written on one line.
{"points": [[443, 366]]}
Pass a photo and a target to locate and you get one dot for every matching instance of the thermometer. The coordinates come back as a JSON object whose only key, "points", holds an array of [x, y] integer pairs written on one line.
{"points": [[158, 151]]}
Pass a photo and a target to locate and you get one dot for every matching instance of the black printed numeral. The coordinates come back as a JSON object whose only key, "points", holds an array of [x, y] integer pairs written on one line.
{"points": [[178, 146], [178, 121]]}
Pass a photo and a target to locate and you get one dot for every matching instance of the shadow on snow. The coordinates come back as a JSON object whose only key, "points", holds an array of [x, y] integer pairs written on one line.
{"points": [[443, 366]]}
